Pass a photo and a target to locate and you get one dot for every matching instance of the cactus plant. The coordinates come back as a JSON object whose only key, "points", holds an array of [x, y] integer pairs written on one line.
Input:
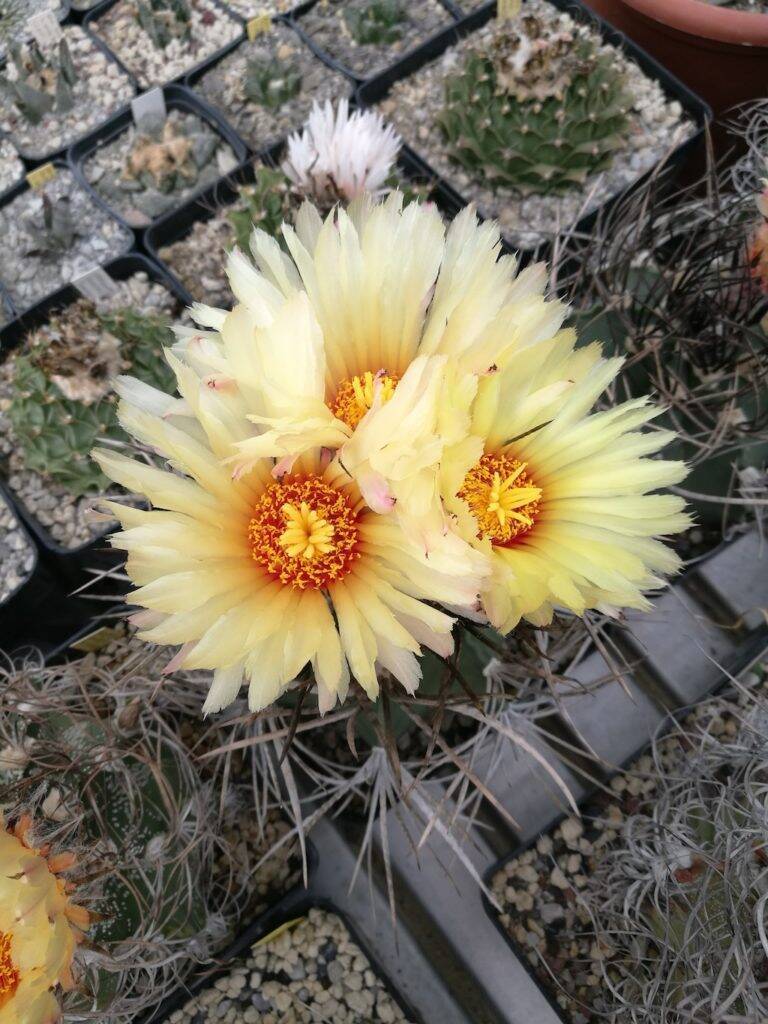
{"points": [[538, 113], [378, 23], [52, 231], [271, 83], [164, 20], [61, 403], [161, 159], [41, 83], [264, 204]]}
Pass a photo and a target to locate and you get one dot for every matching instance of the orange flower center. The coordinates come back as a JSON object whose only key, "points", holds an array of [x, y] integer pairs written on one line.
{"points": [[304, 533], [502, 497], [355, 396], [9, 972]]}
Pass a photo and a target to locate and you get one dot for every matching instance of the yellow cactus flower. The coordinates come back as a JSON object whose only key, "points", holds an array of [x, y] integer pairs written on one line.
{"points": [[40, 927], [260, 574], [558, 497], [368, 339]]}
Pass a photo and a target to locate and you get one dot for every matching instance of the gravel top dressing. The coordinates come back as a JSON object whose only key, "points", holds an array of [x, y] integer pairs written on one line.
{"points": [[307, 973], [151, 169], [63, 514], [101, 88], [340, 30], [53, 235], [11, 167], [17, 555], [210, 29], [539, 890], [655, 127], [250, 8], [258, 120]]}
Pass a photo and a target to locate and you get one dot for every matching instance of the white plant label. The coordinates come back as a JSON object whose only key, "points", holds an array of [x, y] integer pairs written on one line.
{"points": [[151, 104], [45, 28], [95, 284]]}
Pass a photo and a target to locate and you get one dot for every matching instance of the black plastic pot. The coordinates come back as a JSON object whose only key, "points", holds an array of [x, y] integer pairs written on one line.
{"points": [[304, 8], [90, 23], [71, 564], [377, 88], [178, 223], [33, 159], [295, 904], [752, 647], [176, 98]]}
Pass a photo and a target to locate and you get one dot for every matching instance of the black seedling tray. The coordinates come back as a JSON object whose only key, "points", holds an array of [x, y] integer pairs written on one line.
{"points": [[177, 97], [70, 564], [90, 23], [302, 9], [22, 185], [377, 88], [176, 224], [34, 159], [751, 648]]}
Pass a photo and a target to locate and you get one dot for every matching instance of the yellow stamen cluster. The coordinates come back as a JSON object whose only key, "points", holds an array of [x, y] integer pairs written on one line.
{"points": [[304, 532], [9, 972], [502, 497], [355, 397]]}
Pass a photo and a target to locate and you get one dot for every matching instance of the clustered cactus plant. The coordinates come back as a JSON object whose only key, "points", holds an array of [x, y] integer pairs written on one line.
{"points": [[539, 112], [679, 905], [164, 20], [378, 23], [271, 82], [101, 771], [62, 403], [41, 82]]}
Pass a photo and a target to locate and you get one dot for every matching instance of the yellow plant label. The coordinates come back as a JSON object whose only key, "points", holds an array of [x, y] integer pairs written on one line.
{"points": [[279, 930], [97, 640], [507, 9], [41, 176], [258, 25]]}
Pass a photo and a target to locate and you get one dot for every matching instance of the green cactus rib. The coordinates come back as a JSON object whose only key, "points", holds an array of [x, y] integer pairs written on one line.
{"points": [[56, 433], [535, 146]]}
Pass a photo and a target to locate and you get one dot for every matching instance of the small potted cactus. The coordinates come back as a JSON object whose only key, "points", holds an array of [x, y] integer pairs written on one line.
{"points": [[51, 95], [51, 234], [536, 119], [266, 88], [157, 41], [56, 398], [142, 170], [365, 36]]}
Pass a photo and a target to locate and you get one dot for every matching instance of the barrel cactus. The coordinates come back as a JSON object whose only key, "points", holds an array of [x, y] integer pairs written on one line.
{"points": [[539, 111], [62, 402]]}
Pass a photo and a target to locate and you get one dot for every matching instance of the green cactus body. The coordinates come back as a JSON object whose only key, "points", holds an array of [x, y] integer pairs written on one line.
{"points": [[57, 422], [164, 20], [545, 144], [271, 83], [42, 83], [379, 23], [265, 204]]}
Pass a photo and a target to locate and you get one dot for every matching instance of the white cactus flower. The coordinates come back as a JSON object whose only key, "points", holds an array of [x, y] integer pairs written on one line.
{"points": [[338, 156]]}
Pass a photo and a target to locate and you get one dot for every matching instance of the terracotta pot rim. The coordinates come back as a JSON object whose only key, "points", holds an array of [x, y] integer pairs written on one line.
{"points": [[698, 18]]}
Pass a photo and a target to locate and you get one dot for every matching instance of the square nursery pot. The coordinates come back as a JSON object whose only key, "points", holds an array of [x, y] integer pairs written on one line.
{"points": [[721, 53], [95, 14], [52, 150], [329, 83], [71, 564], [123, 237], [176, 98], [177, 225], [376, 89], [451, 14]]}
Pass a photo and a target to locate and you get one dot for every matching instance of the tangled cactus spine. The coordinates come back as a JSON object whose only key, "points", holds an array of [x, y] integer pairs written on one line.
{"points": [[271, 83], [41, 84], [379, 23], [538, 113]]}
